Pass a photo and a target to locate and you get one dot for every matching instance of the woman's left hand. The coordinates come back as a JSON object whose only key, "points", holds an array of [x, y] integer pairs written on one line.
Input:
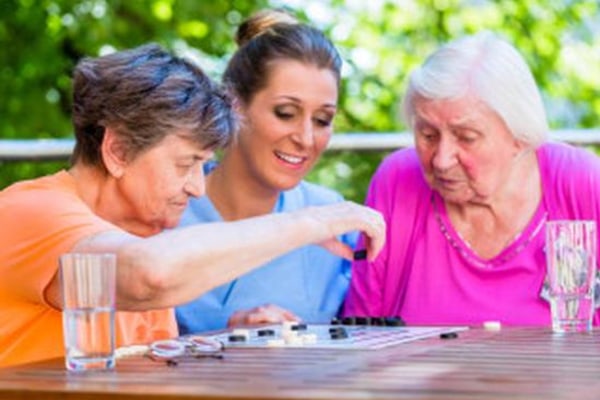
{"points": [[265, 314]]}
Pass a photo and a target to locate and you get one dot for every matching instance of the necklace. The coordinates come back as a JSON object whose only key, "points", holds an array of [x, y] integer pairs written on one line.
{"points": [[476, 261]]}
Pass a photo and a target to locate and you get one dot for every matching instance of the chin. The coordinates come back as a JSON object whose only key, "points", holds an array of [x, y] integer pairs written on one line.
{"points": [[288, 183], [171, 223], [454, 197], [289, 186]]}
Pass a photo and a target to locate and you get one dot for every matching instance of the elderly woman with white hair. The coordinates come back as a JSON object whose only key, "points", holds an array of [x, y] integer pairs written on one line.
{"points": [[467, 206]]}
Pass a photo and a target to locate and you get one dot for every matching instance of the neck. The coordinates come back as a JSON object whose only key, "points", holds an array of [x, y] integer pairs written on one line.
{"points": [[522, 186], [490, 226], [100, 192], [236, 195]]}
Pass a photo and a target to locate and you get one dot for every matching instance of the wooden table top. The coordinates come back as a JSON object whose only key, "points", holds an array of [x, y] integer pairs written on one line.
{"points": [[513, 363]]}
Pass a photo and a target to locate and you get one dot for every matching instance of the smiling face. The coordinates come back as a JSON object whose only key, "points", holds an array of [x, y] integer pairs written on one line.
{"points": [[465, 148], [157, 184], [286, 125]]}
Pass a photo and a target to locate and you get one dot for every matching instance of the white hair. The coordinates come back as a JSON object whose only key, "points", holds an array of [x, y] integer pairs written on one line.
{"points": [[492, 70]]}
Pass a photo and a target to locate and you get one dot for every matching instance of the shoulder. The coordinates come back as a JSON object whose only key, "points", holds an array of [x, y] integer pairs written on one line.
{"points": [[570, 179], [560, 160], [42, 219], [56, 191], [558, 152], [402, 160], [398, 176], [51, 202], [402, 165], [307, 194]]}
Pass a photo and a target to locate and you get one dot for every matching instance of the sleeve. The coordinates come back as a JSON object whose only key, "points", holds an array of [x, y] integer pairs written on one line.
{"points": [[572, 190], [365, 296], [37, 227]]}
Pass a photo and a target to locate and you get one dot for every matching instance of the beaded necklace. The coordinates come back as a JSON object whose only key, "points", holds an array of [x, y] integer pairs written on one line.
{"points": [[472, 259]]}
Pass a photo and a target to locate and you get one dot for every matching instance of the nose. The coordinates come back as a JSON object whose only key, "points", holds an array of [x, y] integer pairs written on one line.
{"points": [[195, 183], [446, 154], [305, 135]]}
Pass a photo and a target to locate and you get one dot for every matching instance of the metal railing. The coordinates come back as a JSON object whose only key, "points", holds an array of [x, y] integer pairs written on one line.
{"points": [[60, 149]]}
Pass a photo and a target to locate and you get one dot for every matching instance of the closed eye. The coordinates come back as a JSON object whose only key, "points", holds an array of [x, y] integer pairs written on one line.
{"points": [[428, 135], [466, 139], [283, 115], [323, 122]]}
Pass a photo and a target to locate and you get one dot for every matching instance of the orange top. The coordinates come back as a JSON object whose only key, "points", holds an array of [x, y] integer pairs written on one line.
{"points": [[40, 220]]}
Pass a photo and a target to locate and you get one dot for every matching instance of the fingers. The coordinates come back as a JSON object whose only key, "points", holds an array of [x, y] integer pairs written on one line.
{"points": [[375, 236], [266, 314], [361, 218], [338, 248]]}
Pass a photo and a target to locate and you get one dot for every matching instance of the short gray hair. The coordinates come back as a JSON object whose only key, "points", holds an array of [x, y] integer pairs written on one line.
{"points": [[146, 93], [493, 70]]}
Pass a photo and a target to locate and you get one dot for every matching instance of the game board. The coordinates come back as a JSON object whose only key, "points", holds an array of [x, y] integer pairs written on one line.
{"points": [[330, 336]]}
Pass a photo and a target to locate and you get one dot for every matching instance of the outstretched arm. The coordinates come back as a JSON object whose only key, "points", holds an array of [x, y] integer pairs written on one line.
{"points": [[179, 265]]}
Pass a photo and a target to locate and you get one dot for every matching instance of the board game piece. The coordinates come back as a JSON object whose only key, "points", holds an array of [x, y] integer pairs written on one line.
{"points": [[343, 337]]}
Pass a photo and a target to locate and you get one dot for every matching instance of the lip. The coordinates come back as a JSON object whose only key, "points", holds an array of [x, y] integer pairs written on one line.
{"points": [[447, 183], [290, 160], [180, 205]]}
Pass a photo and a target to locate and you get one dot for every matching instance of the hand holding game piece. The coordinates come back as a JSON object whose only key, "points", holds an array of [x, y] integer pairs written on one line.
{"points": [[339, 218], [360, 255]]}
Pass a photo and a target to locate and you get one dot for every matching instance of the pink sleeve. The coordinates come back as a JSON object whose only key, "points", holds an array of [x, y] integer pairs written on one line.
{"points": [[399, 191], [365, 296]]}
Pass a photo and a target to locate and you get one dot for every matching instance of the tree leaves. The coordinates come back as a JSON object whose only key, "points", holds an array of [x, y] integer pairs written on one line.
{"points": [[381, 41]]}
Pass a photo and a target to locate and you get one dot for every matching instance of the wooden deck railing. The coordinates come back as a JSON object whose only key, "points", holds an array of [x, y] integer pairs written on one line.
{"points": [[60, 149]]}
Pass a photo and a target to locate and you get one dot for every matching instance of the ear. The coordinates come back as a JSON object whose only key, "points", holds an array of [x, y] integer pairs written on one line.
{"points": [[520, 145], [241, 112], [239, 107], [114, 154]]}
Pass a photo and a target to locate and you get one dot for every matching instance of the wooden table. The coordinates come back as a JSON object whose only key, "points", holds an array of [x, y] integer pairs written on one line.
{"points": [[513, 363]]}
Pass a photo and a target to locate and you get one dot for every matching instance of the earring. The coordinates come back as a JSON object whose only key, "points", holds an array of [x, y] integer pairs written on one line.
{"points": [[116, 171]]}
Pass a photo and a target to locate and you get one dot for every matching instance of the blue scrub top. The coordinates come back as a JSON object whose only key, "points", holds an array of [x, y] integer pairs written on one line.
{"points": [[309, 281]]}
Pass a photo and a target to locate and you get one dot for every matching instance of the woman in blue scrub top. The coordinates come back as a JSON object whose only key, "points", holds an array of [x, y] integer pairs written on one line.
{"points": [[285, 77]]}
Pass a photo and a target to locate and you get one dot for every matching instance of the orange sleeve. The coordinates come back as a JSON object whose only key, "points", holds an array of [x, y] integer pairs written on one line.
{"points": [[41, 219]]}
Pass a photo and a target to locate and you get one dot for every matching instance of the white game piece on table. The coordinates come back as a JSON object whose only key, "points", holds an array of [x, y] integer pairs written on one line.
{"points": [[293, 340], [275, 343], [286, 334], [309, 338], [492, 325]]}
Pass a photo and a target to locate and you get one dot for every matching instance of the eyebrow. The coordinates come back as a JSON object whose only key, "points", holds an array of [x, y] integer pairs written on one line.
{"points": [[297, 100], [205, 158], [195, 157], [464, 122]]}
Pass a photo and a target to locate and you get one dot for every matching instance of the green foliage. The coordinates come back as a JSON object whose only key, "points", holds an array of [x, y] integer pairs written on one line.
{"points": [[381, 41]]}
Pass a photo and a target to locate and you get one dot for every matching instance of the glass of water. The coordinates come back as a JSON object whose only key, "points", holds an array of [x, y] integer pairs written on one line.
{"points": [[88, 282], [571, 267]]}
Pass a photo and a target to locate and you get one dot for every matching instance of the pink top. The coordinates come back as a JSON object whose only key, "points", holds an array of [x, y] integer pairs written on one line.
{"points": [[427, 274]]}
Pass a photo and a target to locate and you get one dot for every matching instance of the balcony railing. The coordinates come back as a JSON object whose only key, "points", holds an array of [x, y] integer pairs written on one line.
{"points": [[60, 149]]}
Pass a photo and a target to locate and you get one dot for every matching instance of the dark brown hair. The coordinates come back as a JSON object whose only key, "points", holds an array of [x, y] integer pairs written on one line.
{"points": [[145, 94], [273, 35]]}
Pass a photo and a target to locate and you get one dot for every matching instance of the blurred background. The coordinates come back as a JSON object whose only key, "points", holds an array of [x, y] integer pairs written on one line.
{"points": [[380, 41]]}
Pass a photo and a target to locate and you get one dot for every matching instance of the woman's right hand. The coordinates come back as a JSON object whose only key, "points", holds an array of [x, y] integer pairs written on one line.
{"points": [[339, 218]]}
